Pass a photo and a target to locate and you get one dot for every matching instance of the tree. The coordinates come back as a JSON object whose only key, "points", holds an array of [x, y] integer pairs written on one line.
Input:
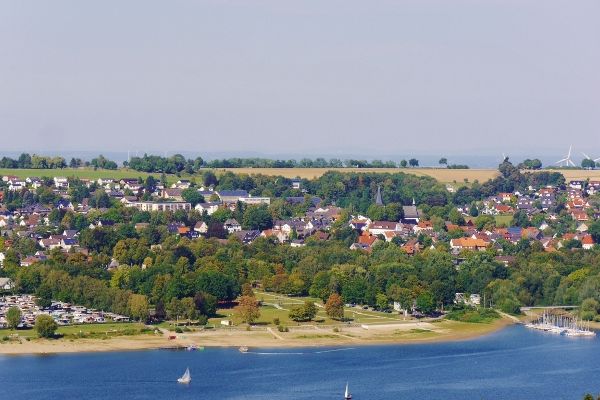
{"points": [[403, 163], [247, 309], [43, 296], [159, 312], [210, 179], [257, 217], [174, 309], [413, 162], [443, 161], [305, 312], [206, 303], [188, 307], [382, 301], [138, 306], [191, 195], [425, 302], [588, 164], [594, 230], [334, 307], [13, 317], [247, 290], [45, 326]]}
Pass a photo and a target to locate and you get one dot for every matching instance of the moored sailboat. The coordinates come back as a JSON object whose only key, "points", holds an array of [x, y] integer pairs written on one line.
{"points": [[347, 395]]}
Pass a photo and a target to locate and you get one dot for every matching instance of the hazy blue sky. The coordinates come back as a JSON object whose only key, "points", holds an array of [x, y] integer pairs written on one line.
{"points": [[316, 77]]}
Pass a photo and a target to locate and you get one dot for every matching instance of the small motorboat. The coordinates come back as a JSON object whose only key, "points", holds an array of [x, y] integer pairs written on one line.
{"points": [[243, 349]]}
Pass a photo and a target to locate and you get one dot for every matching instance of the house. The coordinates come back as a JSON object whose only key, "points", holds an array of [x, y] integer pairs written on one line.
{"points": [[360, 223], [411, 214], [506, 260], [411, 247], [183, 230], [60, 182], [380, 227], [68, 243], [505, 196], [593, 187], [276, 233], [105, 181], [247, 237], [468, 244], [28, 261], [182, 184], [208, 208], [255, 200], [201, 227], [504, 209], [296, 183], [587, 242], [50, 243], [160, 206], [6, 284], [580, 215], [231, 225], [576, 184], [231, 196], [172, 194]]}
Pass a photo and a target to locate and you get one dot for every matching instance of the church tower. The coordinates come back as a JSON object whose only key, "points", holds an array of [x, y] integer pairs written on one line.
{"points": [[378, 199]]}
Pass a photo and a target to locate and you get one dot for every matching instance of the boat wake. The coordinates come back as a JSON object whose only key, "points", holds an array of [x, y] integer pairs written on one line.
{"points": [[288, 353]]}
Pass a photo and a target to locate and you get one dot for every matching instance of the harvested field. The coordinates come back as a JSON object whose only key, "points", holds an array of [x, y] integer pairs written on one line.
{"points": [[441, 174]]}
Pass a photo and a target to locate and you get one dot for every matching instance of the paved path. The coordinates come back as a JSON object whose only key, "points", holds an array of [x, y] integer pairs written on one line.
{"points": [[275, 335]]}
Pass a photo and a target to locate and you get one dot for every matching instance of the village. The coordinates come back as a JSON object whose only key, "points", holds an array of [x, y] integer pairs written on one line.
{"points": [[540, 208]]}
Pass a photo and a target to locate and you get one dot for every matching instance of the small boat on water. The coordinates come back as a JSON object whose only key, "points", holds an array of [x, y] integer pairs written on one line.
{"points": [[186, 378], [347, 395], [243, 349]]}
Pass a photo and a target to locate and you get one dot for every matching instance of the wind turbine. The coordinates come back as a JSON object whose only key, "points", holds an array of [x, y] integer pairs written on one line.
{"points": [[590, 158], [567, 160]]}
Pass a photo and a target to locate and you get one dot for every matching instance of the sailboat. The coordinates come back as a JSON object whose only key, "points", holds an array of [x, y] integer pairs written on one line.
{"points": [[186, 378], [347, 395]]}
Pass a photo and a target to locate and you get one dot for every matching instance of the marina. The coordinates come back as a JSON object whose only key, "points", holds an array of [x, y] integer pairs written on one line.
{"points": [[561, 324]]}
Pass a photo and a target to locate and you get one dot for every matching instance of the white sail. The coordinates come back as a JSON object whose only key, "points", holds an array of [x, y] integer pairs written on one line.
{"points": [[186, 378], [347, 395]]}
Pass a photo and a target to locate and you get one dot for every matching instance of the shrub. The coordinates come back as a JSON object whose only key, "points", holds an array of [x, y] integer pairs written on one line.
{"points": [[45, 326], [276, 321], [473, 315]]}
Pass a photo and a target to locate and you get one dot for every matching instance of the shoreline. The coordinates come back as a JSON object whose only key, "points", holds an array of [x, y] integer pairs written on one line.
{"points": [[391, 334]]}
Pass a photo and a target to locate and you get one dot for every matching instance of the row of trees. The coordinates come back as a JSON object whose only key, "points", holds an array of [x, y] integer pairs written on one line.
{"points": [[35, 161]]}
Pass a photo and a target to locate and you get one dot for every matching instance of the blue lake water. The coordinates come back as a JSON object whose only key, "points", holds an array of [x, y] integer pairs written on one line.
{"points": [[514, 363]]}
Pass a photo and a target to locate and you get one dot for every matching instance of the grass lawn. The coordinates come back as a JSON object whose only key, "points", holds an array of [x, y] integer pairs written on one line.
{"points": [[103, 330], [86, 331], [503, 220], [275, 305]]}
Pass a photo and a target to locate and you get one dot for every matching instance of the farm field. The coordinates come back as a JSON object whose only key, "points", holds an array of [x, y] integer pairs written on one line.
{"points": [[456, 177], [441, 174], [84, 173]]}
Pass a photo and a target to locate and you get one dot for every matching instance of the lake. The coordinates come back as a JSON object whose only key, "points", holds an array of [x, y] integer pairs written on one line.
{"points": [[514, 363]]}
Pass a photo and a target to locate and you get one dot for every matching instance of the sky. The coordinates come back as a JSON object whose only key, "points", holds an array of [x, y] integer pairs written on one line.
{"points": [[313, 77]]}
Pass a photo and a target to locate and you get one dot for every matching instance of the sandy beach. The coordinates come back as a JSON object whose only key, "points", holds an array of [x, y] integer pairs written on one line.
{"points": [[305, 336]]}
